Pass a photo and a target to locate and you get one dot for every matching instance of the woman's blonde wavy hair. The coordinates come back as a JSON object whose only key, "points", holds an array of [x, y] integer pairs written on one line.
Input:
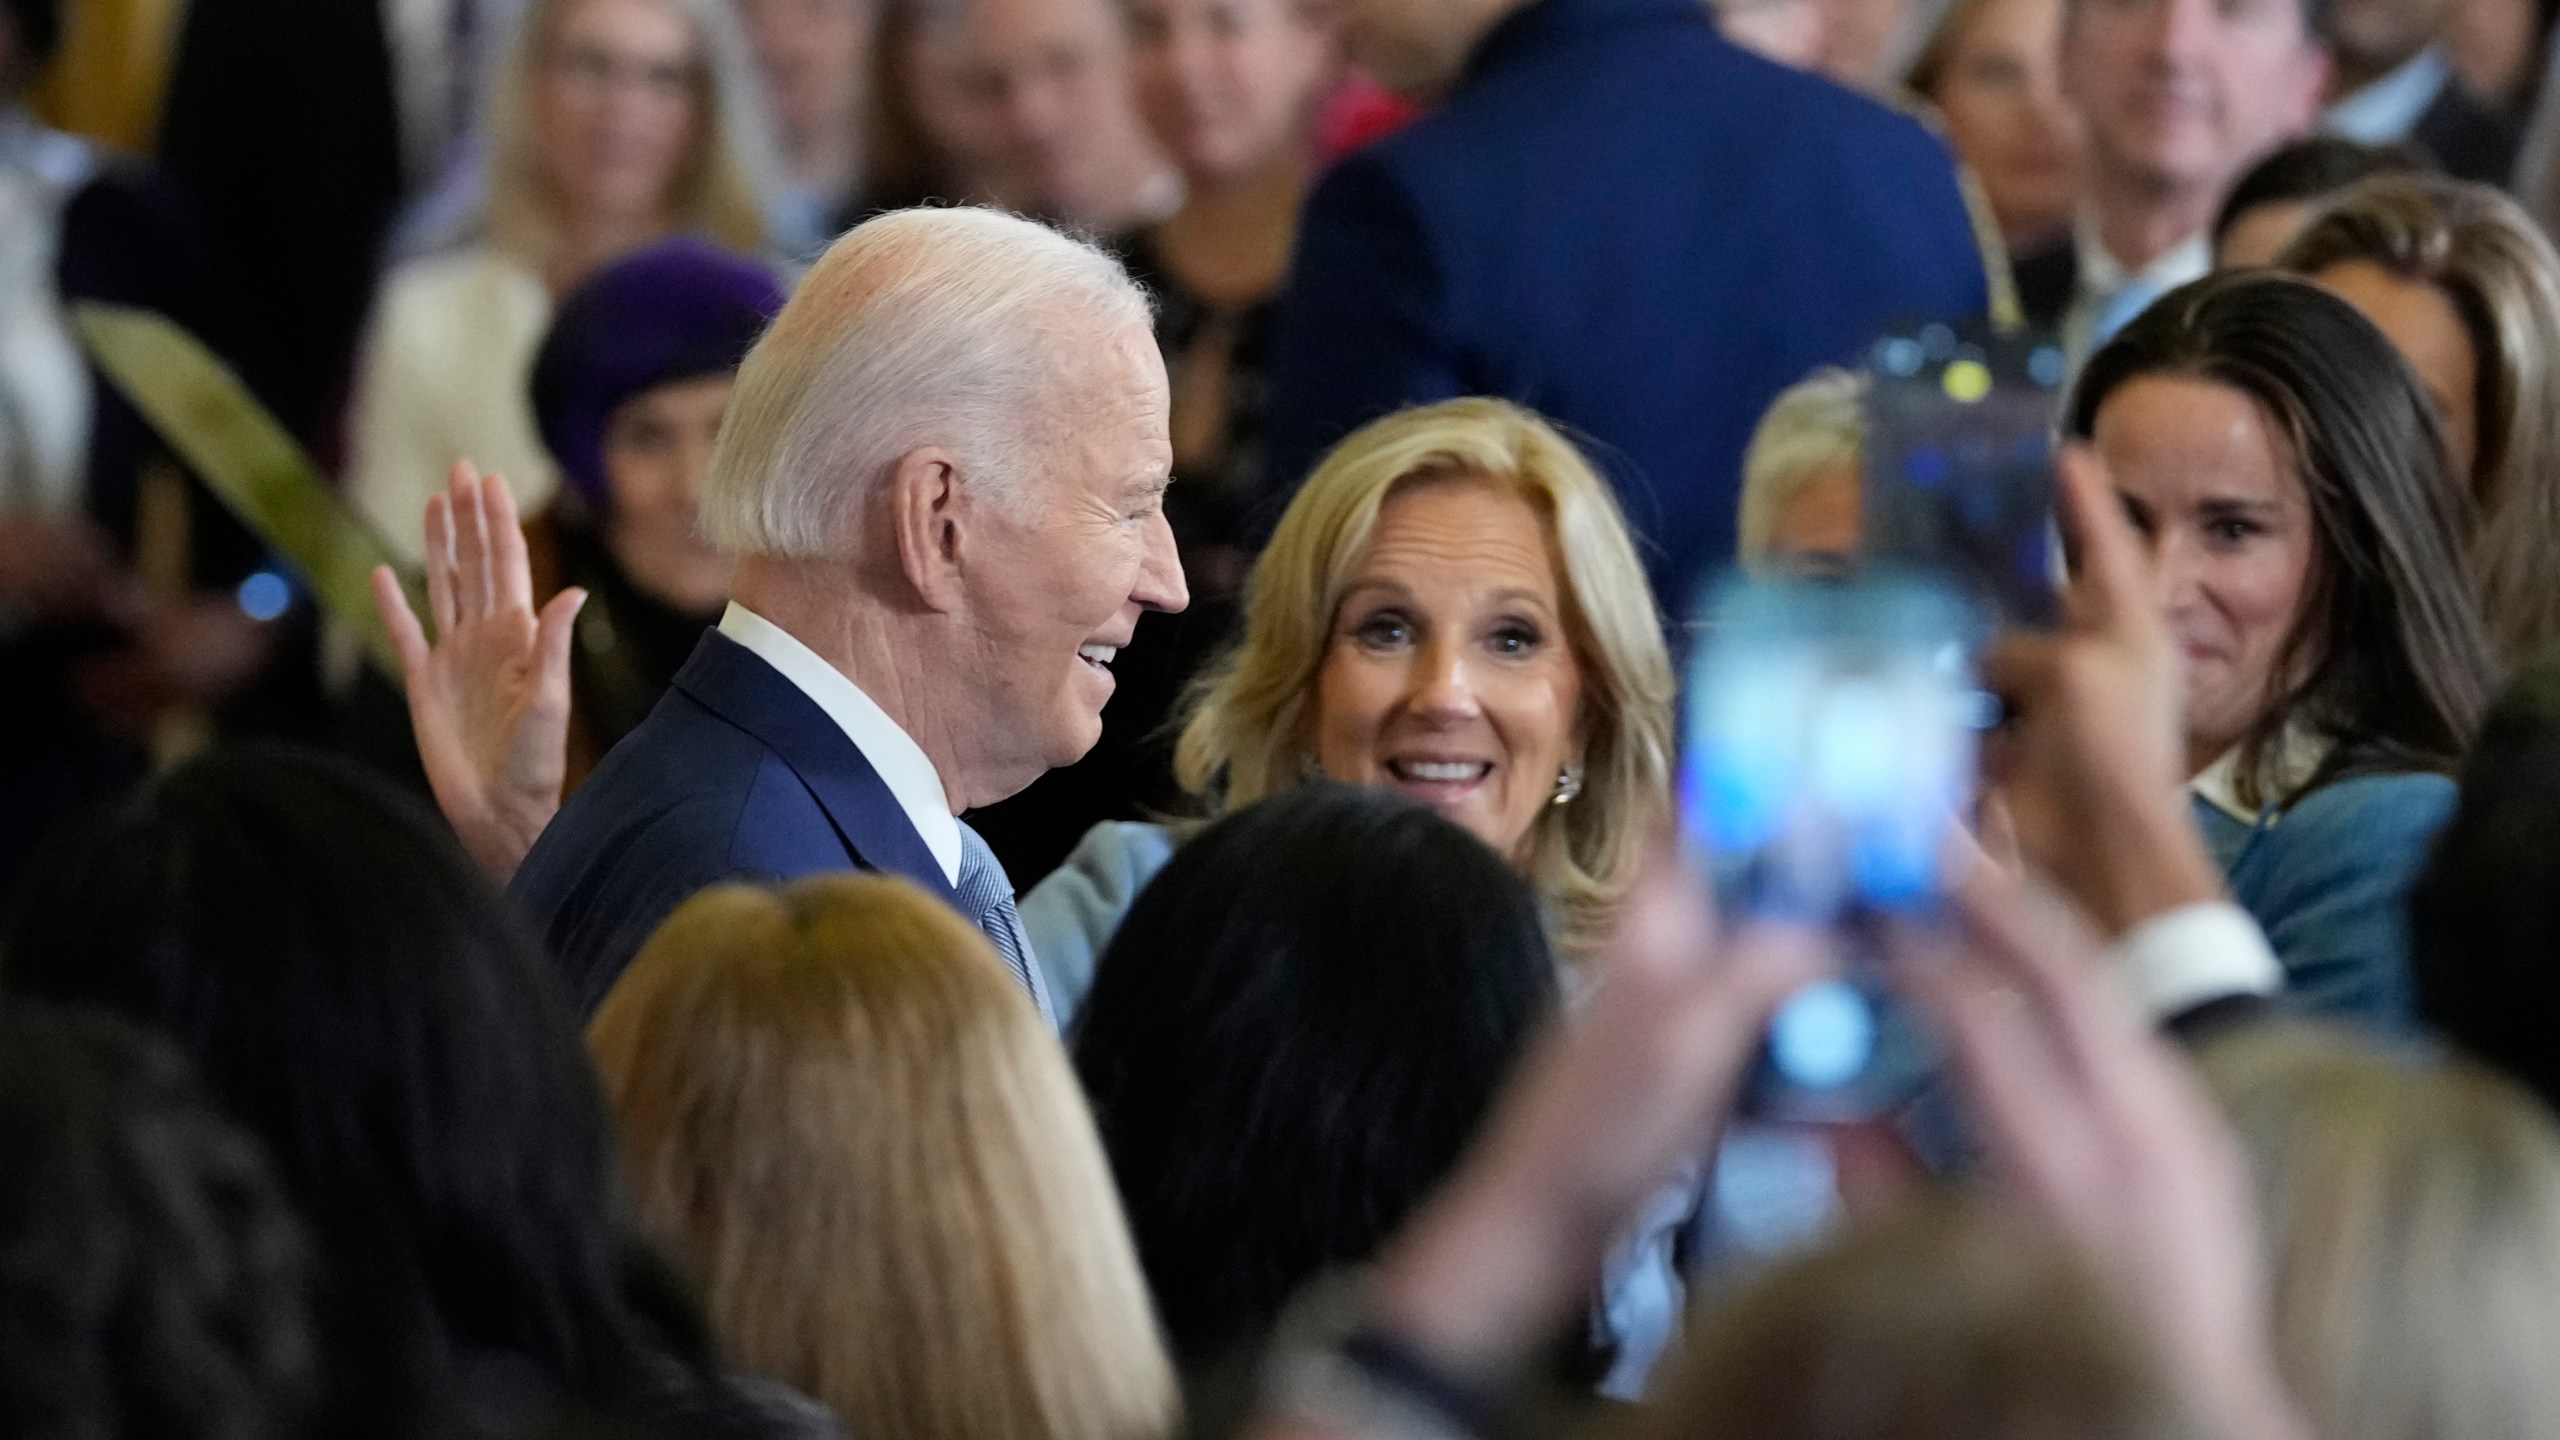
{"points": [[848, 1122], [2485, 255], [720, 187], [1250, 725]]}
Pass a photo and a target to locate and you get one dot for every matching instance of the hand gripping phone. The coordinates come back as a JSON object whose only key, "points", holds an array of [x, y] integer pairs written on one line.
{"points": [[1959, 478], [1829, 738]]}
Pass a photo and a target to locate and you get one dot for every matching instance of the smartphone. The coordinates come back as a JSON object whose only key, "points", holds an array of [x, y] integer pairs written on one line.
{"points": [[1829, 740], [1959, 478]]}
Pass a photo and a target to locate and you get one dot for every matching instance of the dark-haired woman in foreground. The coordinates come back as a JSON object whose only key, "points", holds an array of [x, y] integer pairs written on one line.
{"points": [[1294, 1032], [359, 997], [2289, 476], [153, 1279]]}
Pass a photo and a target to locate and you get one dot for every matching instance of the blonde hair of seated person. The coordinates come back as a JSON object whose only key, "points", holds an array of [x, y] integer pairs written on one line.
{"points": [[2412, 1212], [1246, 735], [1946, 1321], [849, 1123], [1805, 451]]}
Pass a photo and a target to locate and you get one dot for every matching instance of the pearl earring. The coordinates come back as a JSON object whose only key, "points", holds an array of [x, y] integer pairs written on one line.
{"points": [[1568, 785]]}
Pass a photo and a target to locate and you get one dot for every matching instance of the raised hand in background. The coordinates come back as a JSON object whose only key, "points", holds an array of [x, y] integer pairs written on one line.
{"points": [[489, 698]]}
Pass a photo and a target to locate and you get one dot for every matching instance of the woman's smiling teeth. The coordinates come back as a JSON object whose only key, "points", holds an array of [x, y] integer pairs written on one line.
{"points": [[1440, 772], [1100, 656]]}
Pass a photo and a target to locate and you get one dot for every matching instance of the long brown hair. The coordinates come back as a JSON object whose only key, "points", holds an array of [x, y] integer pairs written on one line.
{"points": [[2479, 250], [2392, 658], [848, 1121]]}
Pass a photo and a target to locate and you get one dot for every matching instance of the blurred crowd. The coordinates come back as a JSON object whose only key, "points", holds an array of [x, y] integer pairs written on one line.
{"points": [[1014, 767]]}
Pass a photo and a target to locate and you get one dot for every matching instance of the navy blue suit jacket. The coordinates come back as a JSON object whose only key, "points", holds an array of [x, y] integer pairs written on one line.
{"points": [[1625, 222], [736, 775]]}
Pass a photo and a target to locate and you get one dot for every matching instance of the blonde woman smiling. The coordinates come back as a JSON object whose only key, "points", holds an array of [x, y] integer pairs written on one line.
{"points": [[1452, 609]]}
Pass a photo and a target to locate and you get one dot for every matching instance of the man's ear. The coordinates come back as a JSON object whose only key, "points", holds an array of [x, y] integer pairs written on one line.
{"points": [[925, 508]]}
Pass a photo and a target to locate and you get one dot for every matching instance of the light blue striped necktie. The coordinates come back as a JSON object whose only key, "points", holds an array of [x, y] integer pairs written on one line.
{"points": [[985, 894]]}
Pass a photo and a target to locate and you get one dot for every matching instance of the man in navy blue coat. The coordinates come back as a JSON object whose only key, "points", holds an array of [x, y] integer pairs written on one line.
{"points": [[1622, 220], [942, 477]]}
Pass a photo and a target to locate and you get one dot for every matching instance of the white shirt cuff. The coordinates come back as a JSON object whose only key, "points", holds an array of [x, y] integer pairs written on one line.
{"points": [[2182, 958]]}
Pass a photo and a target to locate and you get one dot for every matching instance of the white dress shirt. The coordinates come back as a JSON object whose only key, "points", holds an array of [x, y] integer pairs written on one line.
{"points": [[894, 755], [2181, 958], [2296, 756]]}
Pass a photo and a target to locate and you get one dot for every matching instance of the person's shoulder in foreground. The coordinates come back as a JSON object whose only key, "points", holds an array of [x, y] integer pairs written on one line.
{"points": [[2329, 881], [1592, 114], [688, 799]]}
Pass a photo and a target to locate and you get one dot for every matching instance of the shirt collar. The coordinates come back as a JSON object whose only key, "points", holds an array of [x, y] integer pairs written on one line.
{"points": [[2101, 273], [2101, 281], [2298, 756], [2389, 108], [900, 762], [62, 161]]}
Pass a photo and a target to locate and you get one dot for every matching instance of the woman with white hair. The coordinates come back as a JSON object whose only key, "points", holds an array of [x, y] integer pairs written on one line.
{"points": [[1800, 490], [613, 124]]}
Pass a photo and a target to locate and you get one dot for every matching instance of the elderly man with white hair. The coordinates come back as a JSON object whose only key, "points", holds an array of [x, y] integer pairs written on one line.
{"points": [[941, 477]]}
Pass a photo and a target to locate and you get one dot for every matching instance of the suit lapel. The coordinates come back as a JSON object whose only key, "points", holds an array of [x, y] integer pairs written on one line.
{"points": [[736, 684]]}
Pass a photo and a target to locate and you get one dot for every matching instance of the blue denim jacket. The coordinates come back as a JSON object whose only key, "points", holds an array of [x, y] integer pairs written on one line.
{"points": [[2328, 880]]}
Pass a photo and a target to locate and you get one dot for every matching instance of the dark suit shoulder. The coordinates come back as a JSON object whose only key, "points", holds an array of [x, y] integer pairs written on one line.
{"points": [[1660, 144], [1670, 70], [2470, 140], [1634, 227], [685, 802]]}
